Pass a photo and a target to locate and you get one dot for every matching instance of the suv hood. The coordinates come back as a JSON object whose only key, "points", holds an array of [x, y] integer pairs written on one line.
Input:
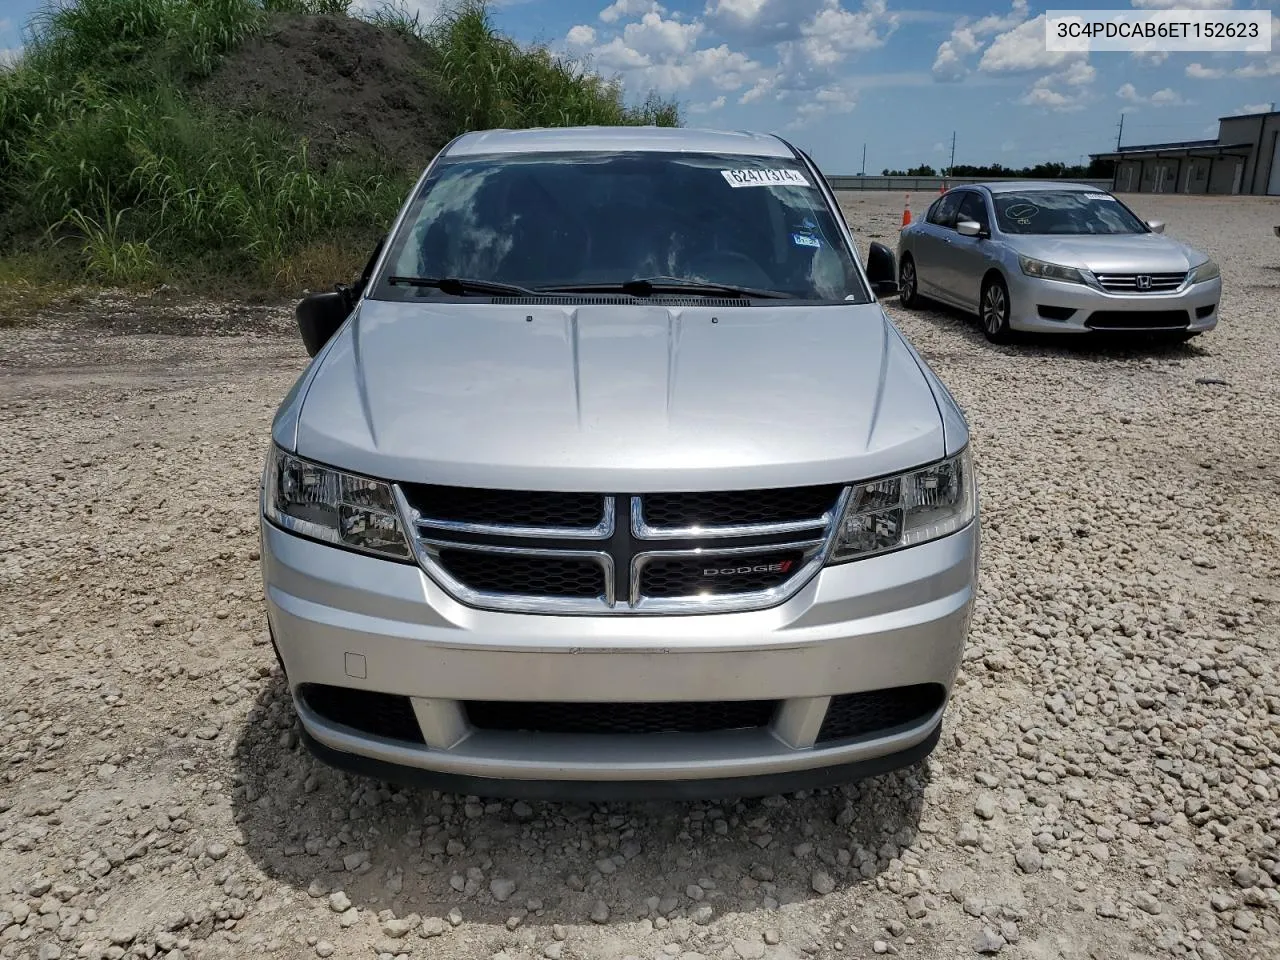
{"points": [[1127, 253], [619, 398]]}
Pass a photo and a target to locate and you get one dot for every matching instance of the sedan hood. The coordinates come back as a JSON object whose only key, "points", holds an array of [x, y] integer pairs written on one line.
{"points": [[619, 398], [1125, 253]]}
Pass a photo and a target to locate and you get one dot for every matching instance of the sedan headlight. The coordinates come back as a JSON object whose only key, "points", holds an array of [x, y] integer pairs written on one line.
{"points": [[1049, 271], [332, 506], [1206, 271], [908, 509]]}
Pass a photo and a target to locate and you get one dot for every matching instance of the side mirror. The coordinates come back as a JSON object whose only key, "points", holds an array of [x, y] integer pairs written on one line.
{"points": [[969, 228], [320, 315], [1157, 226], [882, 269]]}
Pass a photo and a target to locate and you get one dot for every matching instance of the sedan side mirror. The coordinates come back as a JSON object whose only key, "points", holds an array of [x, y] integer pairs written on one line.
{"points": [[320, 315], [969, 228], [882, 269], [1157, 226]]}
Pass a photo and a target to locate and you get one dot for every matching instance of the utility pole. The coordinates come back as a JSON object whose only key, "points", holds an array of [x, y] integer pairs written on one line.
{"points": [[952, 164], [864, 160], [1121, 133]]}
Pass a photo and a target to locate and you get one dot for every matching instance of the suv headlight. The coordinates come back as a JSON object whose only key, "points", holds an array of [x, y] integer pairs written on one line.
{"points": [[1206, 271], [908, 509], [1049, 271], [332, 506]]}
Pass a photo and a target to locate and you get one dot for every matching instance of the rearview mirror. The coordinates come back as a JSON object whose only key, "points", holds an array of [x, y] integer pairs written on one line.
{"points": [[1157, 226], [320, 315], [968, 228], [882, 269]]}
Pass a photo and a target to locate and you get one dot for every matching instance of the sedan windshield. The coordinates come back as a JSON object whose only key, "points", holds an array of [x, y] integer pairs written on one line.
{"points": [[688, 224], [1064, 212]]}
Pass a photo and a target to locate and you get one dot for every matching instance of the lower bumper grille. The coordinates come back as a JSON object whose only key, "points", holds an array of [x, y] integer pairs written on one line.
{"points": [[378, 714], [1138, 319], [619, 718], [853, 715]]}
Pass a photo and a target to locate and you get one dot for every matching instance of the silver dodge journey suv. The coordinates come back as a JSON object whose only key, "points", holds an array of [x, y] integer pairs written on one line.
{"points": [[610, 478]]}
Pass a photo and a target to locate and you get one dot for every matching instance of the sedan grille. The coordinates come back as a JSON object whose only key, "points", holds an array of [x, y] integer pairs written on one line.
{"points": [[619, 718], [853, 715], [378, 714], [1138, 320], [1140, 282], [592, 553]]}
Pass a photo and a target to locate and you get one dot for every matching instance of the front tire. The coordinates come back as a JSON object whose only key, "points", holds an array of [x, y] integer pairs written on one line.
{"points": [[993, 310], [908, 284]]}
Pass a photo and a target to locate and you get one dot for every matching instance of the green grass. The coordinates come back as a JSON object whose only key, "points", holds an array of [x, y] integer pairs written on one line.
{"points": [[112, 171]]}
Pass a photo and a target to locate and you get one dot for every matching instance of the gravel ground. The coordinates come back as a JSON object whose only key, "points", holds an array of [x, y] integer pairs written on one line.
{"points": [[1107, 786]]}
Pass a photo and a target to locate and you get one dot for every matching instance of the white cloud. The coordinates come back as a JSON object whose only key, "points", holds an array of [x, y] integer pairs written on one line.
{"points": [[1023, 49], [1079, 74], [580, 36], [1249, 108], [1268, 68], [616, 55], [707, 107], [9, 57], [1046, 92], [1182, 4], [654, 36], [1168, 97], [1199, 72], [1151, 58], [968, 37], [835, 32], [629, 8]]}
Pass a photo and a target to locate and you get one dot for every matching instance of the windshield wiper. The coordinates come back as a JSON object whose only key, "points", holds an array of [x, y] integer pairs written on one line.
{"points": [[648, 286], [456, 286]]}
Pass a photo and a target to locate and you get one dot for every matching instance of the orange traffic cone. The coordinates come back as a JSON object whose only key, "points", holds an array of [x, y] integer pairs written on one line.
{"points": [[942, 189], [906, 210]]}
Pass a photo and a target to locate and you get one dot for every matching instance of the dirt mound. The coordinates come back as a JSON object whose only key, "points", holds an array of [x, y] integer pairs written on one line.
{"points": [[351, 87]]}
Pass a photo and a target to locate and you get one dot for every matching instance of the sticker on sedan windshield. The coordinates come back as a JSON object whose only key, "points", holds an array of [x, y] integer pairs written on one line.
{"points": [[764, 178], [1099, 196], [800, 240]]}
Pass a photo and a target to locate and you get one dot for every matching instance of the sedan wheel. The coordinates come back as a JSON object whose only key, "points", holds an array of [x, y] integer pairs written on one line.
{"points": [[995, 311], [907, 294]]}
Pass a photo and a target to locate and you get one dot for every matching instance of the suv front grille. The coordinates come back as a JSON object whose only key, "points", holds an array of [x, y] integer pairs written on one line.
{"points": [[590, 553], [1140, 282], [619, 718]]}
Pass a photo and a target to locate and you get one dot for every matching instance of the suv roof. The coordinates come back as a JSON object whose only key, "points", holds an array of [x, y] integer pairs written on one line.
{"points": [[677, 139]]}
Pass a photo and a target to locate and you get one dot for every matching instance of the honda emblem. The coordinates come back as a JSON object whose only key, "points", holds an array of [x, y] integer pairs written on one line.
{"points": [[1142, 282]]}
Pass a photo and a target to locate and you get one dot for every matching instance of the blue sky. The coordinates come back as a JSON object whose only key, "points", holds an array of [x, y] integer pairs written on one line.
{"points": [[897, 75]]}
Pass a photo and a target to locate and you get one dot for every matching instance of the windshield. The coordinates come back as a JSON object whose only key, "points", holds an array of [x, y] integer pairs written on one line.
{"points": [[1064, 212], [543, 221]]}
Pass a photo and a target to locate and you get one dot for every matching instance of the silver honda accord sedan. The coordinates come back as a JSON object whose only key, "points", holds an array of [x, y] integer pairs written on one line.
{"points": [[611, 478], [1055, 258]]}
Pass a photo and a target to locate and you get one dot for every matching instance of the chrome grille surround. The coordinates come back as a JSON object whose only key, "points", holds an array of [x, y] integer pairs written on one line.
{"points": [[1140, 283], [622, 551]]}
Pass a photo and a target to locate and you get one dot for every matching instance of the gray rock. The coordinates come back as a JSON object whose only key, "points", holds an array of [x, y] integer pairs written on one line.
{"points": [[916, 909], [703, 915], [600, 912], [1146, 902], [988, 941], [1247, 876], [822, 883], [748, 949], [431, 927], [1029, 859], [985, 807], [502, 888], [339, 902], [324, 949]]}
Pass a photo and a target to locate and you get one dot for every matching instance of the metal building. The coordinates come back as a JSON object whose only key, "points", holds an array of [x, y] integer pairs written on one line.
{"points": [[1243, 159]]}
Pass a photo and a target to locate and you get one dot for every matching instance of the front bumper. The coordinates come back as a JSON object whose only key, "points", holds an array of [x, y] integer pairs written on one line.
{"points": [[1097, 310], [345, 620]]}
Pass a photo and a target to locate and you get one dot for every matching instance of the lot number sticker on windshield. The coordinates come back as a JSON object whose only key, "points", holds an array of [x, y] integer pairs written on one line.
{"points": [[1098, 196], [764, 178]]}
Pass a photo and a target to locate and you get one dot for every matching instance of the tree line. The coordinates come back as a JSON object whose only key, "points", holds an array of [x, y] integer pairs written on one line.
{"points": [[1095, 170]]}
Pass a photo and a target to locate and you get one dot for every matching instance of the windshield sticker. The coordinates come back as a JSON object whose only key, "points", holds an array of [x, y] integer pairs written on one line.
{"points": [[800, 240], [764, 178], [1022, 212], [1099, 196]]}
